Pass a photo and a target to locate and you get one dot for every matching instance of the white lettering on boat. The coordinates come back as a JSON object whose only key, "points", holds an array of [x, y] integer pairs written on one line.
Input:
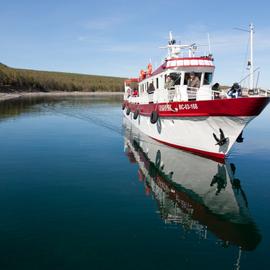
{"points": [[181, 107], [165, 107], [192, 106]]}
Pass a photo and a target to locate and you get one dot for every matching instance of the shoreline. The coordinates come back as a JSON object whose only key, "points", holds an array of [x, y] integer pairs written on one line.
{"points": [[8, 96]]}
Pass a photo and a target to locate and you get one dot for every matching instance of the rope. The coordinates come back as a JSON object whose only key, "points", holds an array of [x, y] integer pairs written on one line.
{"points": [[98, 121]]}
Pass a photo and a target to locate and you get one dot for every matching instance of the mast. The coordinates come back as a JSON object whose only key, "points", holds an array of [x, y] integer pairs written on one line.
{"points": [[251, 60], [251, 70]]}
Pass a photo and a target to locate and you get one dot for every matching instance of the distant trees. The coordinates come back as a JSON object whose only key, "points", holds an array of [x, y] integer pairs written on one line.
{"points": [[31, 80]]}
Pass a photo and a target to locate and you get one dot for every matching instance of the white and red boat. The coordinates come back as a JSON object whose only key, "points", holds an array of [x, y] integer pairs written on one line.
{"points": [[201, 119]]}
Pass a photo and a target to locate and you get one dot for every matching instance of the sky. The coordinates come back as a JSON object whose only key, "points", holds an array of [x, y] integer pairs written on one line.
{"points": [[118, 38]]}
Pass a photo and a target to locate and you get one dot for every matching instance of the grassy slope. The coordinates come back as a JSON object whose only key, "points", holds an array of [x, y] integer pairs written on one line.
{"points": [[19, 80]]}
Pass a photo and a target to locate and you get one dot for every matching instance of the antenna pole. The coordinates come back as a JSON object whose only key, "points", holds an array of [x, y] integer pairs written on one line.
{"points": [[170, 36], [251, 70], [170, 40], [209, 43]]}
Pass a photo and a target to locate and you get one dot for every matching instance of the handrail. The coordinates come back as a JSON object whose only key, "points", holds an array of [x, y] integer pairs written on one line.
{"points": [[192, 88], [220, 93], [266, 92]]}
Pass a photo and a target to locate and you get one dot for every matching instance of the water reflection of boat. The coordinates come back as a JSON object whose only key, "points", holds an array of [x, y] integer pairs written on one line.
{"points": [[200, 194]]}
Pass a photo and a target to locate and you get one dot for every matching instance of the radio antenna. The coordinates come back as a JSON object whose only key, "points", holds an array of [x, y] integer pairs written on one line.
{"points": [[209, 43]]}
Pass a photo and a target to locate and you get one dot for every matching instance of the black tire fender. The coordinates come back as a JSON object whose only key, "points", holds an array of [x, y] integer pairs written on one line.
{"points": [[154, 117], [136, 114], [128, 111]]}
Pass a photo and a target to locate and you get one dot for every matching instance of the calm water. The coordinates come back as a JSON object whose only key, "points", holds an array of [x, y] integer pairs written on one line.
{"points": [[79, 192]]}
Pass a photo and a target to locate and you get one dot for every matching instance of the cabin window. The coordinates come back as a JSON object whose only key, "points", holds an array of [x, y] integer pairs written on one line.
{"points": [[208, 77], [187, 76], [156, 83], [176, 77]]}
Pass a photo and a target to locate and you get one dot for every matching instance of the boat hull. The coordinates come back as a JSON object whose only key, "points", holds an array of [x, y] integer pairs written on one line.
{"points": [[195, 130]]}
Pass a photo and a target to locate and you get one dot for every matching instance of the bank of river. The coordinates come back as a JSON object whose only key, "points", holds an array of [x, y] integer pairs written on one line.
{"points": [[7, 96]]}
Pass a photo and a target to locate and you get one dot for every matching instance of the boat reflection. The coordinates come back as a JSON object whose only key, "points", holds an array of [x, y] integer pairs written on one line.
{"points": [[199, 194]]}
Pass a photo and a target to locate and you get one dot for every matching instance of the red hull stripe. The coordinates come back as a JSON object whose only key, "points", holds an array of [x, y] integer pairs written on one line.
{"points": [[251, 106], [219, 157]]}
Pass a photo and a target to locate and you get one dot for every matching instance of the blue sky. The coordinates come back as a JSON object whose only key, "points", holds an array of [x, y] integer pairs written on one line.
{"points": [[118, 38]]}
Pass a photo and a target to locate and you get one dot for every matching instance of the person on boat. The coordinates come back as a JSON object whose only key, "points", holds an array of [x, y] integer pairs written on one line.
{"points": [[169, 83], [216, 90], [235, 91], [135, 92], [151, 88], [128, 91], [193, 86], [193, 81]]}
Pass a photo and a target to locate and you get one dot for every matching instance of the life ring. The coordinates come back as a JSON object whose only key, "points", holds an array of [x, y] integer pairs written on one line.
{"points": [[142, 74], [128, 111], [154, 117], [136, 114], [123, 106]]}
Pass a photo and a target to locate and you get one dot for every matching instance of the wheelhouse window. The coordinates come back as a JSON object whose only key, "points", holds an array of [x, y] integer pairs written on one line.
{"points": [[176, 77], [187, 76], [208, 77], [156, 83], [134, 85]]}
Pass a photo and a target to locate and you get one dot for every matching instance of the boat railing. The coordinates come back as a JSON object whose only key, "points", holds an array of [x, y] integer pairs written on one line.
{"points": [[218, 94], [151, 97], [192, 92], [171, 93], [264, 92]]}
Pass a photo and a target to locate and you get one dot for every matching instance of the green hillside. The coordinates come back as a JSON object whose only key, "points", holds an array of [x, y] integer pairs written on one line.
{"points": [[20, 80]]}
